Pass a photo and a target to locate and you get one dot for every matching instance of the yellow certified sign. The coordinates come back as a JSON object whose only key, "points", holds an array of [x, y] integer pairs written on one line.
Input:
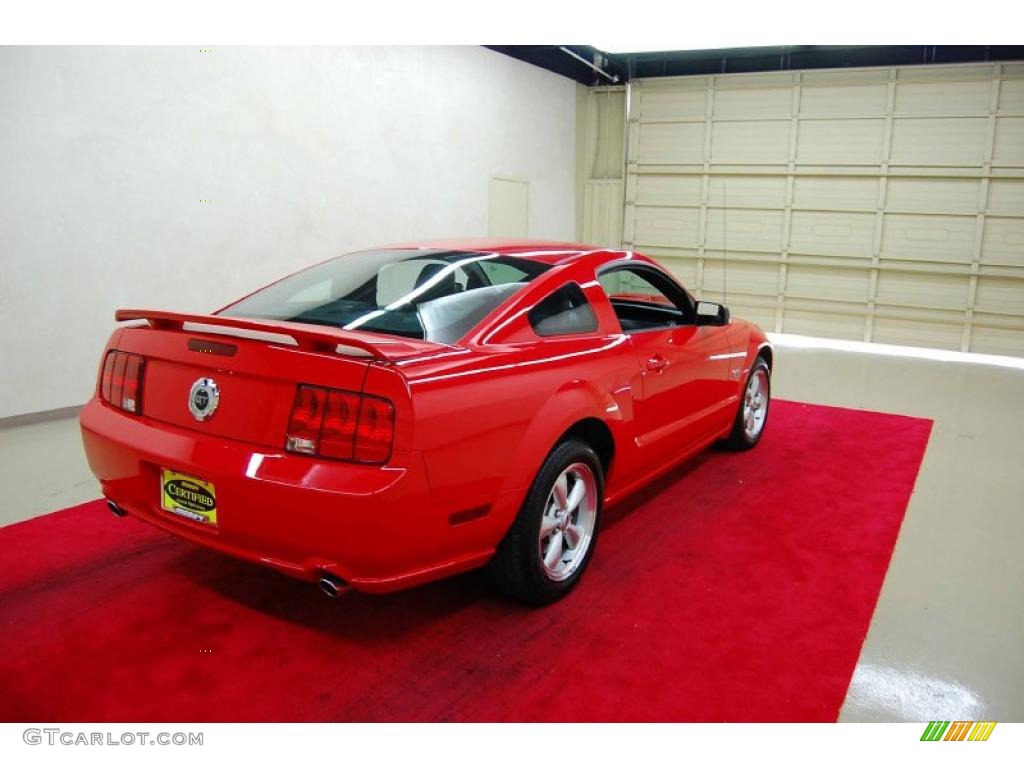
{"points": [[188, 496]]}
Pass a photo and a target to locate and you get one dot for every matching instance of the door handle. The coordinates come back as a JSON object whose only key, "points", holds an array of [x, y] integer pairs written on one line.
{"points": [[656, 363]]}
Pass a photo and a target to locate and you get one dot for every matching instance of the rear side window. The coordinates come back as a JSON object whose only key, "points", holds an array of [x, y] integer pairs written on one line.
{"points": [[565, 311]]}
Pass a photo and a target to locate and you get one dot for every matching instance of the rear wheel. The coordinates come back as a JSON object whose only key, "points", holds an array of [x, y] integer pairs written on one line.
{"points": [[752, 414], [549, 545]]}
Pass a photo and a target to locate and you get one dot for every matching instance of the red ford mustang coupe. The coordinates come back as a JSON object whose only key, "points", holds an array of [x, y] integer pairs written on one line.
{"points": [[397, 415]]}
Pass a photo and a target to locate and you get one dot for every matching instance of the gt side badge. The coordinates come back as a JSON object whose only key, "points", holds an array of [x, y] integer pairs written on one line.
{"points": [[203, 398]]}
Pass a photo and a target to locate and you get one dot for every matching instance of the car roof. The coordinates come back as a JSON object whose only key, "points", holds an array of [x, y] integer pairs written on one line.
{"points": [[546, 251]]}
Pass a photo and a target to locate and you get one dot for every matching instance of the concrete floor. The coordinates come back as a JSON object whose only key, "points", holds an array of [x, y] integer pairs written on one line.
{"points": [[946, 637], [42, 469]]}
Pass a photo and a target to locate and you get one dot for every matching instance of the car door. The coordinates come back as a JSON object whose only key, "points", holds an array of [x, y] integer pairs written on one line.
{"points": [[683, 366]]}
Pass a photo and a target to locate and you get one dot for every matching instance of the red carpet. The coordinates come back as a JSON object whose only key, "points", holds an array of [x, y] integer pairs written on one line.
{"points": [[740, 588]]}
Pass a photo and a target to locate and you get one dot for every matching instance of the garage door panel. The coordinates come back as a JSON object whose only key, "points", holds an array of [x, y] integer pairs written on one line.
{"points": [[667, 226], [736, 280], [1002, 295], [858, 76], [744, 230], [830, 233], [939, 141], [929, 238], [997, 340], [750, 81], [754, 103], [752, 278], [817, 323], [835, 193], [671, 143], [854, 142], [669, 190], [683, 265], [714, 279], [888, 330], [838, 284], [1003, 242], [842, 100], [1009, 141], [933, 195], [748, 191], [1011, 96], [947, 72], [916, 289], [970, 97], [1006, 196], [672, 104], [763, 316], [764, 141]]}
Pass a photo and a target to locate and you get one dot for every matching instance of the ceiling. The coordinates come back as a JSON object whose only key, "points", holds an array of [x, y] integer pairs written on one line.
{"points": [[627, 66]]}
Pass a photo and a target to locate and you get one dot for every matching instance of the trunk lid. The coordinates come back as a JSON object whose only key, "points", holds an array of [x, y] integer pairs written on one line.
{"points": [[248, 370]]}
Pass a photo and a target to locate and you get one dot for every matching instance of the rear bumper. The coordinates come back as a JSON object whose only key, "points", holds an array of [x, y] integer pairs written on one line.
{"points": [[374, 527]]}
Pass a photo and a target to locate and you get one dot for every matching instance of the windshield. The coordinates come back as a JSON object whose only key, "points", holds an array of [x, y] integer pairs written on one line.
{"points": [[423, 294]]}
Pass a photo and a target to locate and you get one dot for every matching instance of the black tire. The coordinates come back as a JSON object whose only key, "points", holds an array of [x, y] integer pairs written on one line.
{"points": [[738, 439], [516, 570]]}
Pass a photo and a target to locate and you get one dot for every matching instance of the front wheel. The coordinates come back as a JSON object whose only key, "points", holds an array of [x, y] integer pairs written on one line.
{"points": [[752, 414], [549, 545]]}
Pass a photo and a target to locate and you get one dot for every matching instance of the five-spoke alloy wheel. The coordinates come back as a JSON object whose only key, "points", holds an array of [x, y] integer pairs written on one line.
{"points": [[567, 527], [752, 413], [552, 539], [755, 404]]}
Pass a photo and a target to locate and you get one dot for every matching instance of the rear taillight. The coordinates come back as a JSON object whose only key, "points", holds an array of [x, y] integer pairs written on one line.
{"points": [[375, 430], [121, 380], [341, 425]]}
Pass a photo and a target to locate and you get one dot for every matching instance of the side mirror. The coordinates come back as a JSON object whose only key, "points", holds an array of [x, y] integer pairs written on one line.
{"points": [[710, 313]]}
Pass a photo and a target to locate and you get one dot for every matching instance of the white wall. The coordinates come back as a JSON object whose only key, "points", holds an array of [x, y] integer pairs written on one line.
{"points": [[303, 153]]}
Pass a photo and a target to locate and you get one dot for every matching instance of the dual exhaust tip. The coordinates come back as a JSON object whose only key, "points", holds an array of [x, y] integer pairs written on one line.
{"points": [[118, 512], [330, 585]]}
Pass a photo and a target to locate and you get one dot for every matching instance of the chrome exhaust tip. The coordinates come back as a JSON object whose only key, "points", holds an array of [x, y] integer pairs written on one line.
{"points": [[332, 586], [118, 512]]}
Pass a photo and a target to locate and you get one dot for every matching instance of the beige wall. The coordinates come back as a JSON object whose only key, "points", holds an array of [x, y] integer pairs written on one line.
{"points": [[108, 154]]}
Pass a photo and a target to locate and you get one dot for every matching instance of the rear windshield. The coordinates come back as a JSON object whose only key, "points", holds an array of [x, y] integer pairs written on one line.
{"points": [[422, 294]]}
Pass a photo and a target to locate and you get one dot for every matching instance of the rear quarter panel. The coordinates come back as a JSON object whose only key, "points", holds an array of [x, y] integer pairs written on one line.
{"points": [[485, 426]]}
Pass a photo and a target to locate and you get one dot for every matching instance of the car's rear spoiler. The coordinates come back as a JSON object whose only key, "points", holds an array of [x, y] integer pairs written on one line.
{"points": [[309, 337]]}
